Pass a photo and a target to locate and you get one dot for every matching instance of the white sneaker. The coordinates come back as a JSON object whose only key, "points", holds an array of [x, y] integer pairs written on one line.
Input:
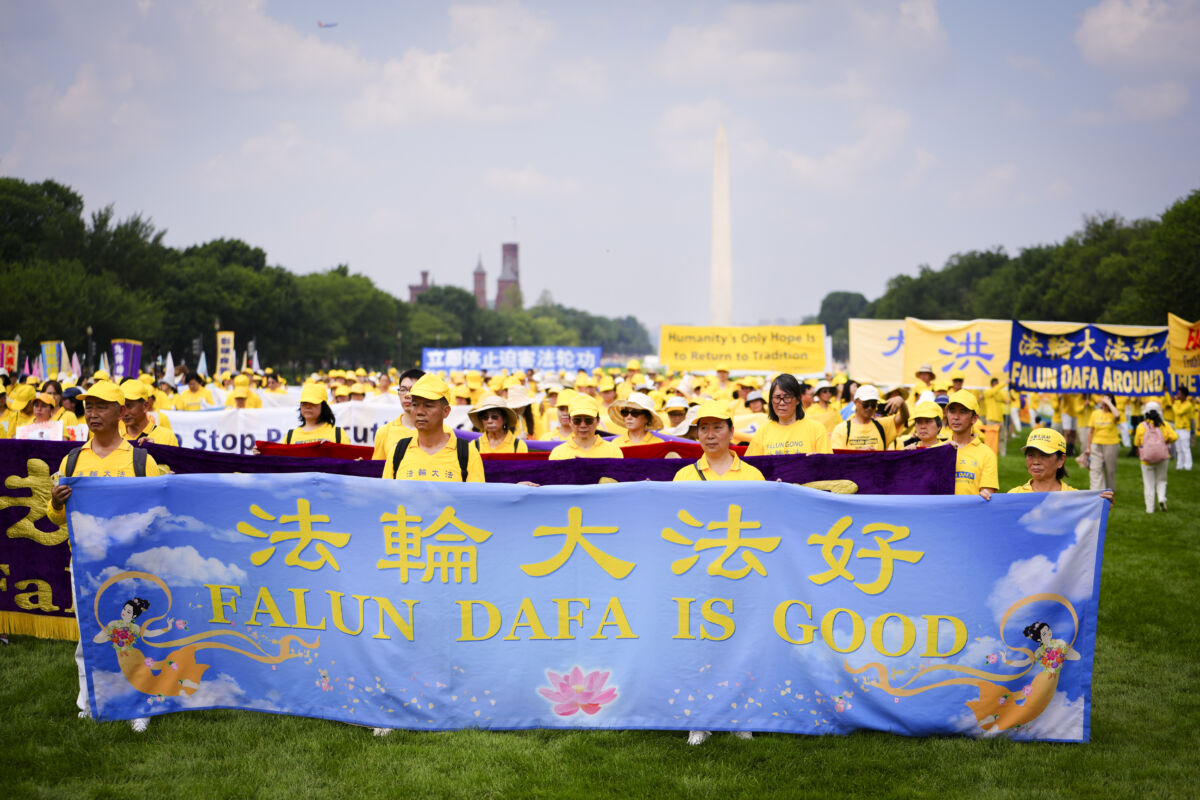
{"points": [[380, 731], [698, 737], [85, 714], [743, 734], [140, 724]]}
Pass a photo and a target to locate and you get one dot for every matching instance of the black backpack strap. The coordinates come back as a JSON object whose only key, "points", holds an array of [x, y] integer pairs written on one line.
{"points": [[398, 454], [337, 435], [699, 472], [139, 462], [516, 444], [882, 435], [72, 460], [289, 436], [477, 443], [848, 431], [464, 455]]}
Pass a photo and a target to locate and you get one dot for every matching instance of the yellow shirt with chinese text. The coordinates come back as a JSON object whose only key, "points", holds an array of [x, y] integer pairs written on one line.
{"points": [[417, 465]]}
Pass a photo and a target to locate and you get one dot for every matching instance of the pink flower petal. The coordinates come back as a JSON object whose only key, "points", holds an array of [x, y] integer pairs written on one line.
{"points": [[566, 709], [576, 676], [590, 708]]}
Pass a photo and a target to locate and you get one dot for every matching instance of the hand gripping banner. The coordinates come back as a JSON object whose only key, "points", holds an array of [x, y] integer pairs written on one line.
{"points": [[755, 606]]}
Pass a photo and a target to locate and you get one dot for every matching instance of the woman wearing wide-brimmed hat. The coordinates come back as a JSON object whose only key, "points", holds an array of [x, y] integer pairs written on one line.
{"points": [[637, 415], [497, 424]]}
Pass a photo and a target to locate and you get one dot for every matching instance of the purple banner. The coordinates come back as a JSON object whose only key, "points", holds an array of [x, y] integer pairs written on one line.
{"points": [[126, 358]]}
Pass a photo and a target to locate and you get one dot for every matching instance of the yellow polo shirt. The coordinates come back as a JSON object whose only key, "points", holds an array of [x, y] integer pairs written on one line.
{"points": [[624, 441], [188, 400], [417, 465], [599, 449], [153, 433], [975, 469], [117, 464], [252, 400], [1184, 413], [802, 436], [739, 471], [325, 433], [1027, 487], [863, 435], [511, 444]]}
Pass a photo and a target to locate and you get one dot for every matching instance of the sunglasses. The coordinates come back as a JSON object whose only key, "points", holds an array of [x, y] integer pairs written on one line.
{"points": [[583, 421], [631, 412]]}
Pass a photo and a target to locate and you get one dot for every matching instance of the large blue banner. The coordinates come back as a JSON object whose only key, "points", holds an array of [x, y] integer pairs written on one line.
{"points": [[511, 358], [750, 606], [1089, 360]]}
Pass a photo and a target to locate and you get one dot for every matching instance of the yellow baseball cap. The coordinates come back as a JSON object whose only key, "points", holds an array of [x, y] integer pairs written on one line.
{"points": [[431, 387], [1047, 440], [106, 391], [927, 410], [564, 398], [313, 393], [965, 399], [714, 409], [135, 390], [583, 405]]}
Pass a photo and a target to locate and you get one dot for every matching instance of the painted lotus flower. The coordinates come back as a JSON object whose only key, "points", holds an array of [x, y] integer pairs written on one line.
{"points": [[576, 691], [181, 624]]}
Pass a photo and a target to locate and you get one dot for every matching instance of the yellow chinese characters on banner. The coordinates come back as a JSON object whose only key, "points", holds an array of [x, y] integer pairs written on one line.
{"points": [[799, 348], [877, 351], [978, 349], [1183, 345]]}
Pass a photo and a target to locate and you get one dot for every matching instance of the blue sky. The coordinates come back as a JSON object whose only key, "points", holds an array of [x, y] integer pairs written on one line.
{"points": [[866, 138]]}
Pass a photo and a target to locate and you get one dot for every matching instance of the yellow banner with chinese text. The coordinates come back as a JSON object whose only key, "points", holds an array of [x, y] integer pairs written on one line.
{"points": [[1183, 345], [877, 351], [977, 349], [798, 349], [226, 354]]}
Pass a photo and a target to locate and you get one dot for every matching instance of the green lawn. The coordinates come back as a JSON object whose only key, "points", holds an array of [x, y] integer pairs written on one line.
{"points": [[1146, 688]]}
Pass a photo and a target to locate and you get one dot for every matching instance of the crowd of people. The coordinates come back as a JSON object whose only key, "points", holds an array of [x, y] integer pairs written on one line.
{"points": [[599, 415]]}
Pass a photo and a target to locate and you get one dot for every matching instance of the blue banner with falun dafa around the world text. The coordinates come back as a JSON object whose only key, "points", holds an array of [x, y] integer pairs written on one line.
{"points": [[702, 605]]}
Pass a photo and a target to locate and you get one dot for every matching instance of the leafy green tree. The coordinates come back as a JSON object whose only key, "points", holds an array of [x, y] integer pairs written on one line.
{"points": [[39, 221]]}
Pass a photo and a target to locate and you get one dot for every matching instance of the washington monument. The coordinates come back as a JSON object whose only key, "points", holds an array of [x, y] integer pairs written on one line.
{"points": [[720, 290]]}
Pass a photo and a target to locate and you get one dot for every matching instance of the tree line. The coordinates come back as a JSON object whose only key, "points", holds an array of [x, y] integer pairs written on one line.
{"points": [[1112, 271], [62, 274]]}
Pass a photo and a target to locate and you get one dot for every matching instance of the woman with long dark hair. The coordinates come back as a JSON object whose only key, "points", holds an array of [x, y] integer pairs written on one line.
{"points": [[787, 431], [1151, 439]]}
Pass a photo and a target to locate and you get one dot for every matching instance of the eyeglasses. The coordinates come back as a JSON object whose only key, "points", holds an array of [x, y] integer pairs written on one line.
{"points": [[783, 399], [583, 421]]}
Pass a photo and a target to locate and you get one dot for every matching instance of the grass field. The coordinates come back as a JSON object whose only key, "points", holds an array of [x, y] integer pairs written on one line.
{"points": [[1146, 688]]}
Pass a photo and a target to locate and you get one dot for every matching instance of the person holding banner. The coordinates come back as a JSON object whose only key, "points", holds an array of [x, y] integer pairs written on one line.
{"points": [[975, 471], [139, 428], [863, 431], [41, 425], [496, 422], [107, 454], [1103, 443], [787, 430], [583, 441], [317, 422], [435, 453], [719, 463], [1151, 438], [636, 414], [1185, 417], [927, 425]]}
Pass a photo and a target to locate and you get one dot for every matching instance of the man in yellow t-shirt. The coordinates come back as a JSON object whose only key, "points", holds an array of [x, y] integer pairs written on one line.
{"points": [[434, 454], [401, 427], [864, 431], [975, 471], [105, 455], [138, 427]]}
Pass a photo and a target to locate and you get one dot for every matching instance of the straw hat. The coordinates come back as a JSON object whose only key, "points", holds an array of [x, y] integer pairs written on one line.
{"points": [[492, 403], [640, 402], [519, 397]]}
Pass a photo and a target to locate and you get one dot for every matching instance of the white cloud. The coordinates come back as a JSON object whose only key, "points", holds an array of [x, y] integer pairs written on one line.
{"points": [[914, 24], [744, 47], [1072, 574], [184, 566], [922, 161], [223, 691], [527, 180], [1141, 35], [282, 154], [992, 188], [584, 79], [684, 135], [883, 131], [1151, 102], [94, 535], [109, 687]]}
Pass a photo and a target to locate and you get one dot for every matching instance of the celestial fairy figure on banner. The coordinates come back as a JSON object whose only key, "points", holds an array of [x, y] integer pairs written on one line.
{"points": [[1000, 707], [177, 672]]}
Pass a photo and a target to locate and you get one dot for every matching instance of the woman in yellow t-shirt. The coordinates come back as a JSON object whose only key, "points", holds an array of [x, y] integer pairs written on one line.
{"points": [[787, 430], [636, 415], [496, 423], [317, 423], [1103, 443], [1154, 473]]}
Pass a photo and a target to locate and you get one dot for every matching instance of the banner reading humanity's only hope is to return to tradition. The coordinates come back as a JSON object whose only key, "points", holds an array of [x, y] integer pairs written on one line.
{"points": [[764, 607]]}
